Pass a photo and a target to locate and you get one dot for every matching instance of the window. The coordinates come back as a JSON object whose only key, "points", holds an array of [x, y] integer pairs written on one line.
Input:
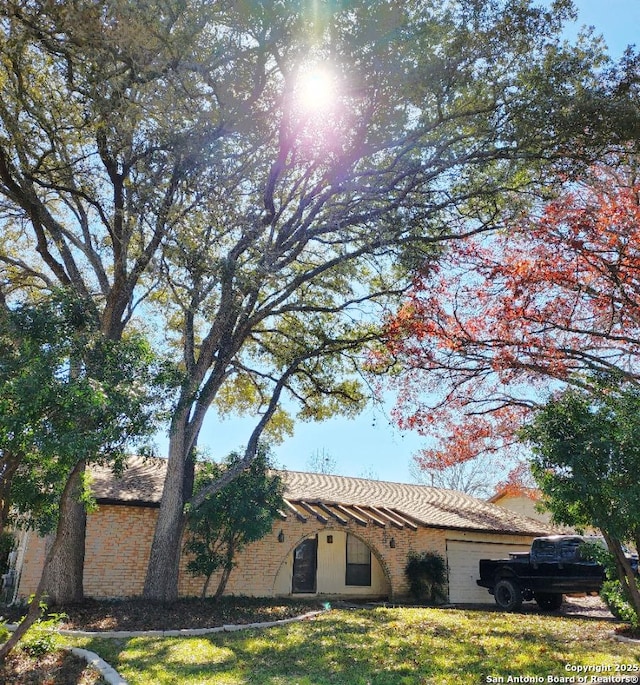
{"points": [[545, 550], [570, 549], [358, 562]]}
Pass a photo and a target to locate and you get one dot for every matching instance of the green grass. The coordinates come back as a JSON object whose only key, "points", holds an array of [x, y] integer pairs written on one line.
{"points": [[377, 647]]}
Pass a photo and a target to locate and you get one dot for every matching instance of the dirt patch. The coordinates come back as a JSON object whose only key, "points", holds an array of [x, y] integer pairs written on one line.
{"points": [[586, 607], [57, 668], [185, 613], [63, 668]]}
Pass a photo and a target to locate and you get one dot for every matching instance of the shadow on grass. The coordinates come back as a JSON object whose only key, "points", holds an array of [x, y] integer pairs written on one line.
{"points": [[369, 647]]}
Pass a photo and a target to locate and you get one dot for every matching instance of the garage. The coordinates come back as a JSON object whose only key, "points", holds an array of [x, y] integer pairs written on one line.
{"points": [[462, 560]]}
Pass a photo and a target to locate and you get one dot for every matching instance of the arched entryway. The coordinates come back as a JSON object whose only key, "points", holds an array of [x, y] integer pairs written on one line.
{"points": [[333, 562]]}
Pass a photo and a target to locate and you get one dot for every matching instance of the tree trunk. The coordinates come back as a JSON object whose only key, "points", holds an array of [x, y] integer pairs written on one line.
{"points": [[53, 555], [8, 466], [205, 587], [625, 573], [63, 576], [161, 583], [226, 571]]}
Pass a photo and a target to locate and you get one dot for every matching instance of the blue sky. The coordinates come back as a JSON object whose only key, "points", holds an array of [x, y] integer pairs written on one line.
{"points": [[370, 445]]}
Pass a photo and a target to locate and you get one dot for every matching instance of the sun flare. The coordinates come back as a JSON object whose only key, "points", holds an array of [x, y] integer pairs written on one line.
{"points": [[316, 89]]}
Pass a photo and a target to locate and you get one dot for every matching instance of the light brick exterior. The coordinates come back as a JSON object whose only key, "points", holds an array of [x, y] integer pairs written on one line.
{"points": [[415, 518], [119, 541]]}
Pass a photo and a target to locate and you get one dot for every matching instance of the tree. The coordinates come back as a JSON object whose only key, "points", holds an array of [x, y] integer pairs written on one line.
{"points": [[241, 512], [163, 160], [339, 204], [475, 477], [322, 461], [91, 161], [502, 320], [68, 397], [586, 457]]}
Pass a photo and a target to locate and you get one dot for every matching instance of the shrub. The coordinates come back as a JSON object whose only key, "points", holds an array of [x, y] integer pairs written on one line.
{"points": [[427, 576], [615, 600], [7, 542], [4, 631], [42, 637], [611, 592]]}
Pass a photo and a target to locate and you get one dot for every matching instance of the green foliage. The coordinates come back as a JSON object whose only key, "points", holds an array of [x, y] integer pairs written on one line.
{"points": [[42, 637], [614, 597], [427, 576], [4, 631], [612, 592], [67, 393], [240, 512], [585, 459]]}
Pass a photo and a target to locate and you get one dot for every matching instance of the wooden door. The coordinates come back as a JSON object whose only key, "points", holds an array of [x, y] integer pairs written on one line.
{"points": [[305, 565]]}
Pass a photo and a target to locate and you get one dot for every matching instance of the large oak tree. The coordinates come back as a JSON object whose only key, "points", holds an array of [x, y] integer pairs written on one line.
{"points": [[163, 159]]}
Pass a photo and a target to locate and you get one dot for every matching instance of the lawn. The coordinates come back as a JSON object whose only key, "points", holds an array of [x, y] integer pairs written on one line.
{"points": [[383, 646]]}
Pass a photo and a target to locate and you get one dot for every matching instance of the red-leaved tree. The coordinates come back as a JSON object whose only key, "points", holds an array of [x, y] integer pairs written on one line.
{"points": [[502, 320]]}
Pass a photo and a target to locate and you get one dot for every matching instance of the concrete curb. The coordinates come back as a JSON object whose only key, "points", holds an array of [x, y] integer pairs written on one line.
{"points": [[114, 678], [106, 671], [187, 632], [622, 638]]}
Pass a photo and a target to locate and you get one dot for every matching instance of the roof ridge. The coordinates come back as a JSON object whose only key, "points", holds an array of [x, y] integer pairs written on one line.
{"points": [[420, 486]]}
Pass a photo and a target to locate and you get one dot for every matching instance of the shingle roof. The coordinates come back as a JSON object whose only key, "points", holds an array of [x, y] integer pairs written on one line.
{"points": [[428, 506], [340, 498], [141, 482]]}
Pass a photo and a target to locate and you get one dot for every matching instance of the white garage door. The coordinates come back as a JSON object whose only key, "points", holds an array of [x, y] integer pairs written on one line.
{"points": [[463, 558]]}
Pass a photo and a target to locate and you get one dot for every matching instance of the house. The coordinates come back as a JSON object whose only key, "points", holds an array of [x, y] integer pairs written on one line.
{"points": [[526, 501], [336, 537], [523, 501]]}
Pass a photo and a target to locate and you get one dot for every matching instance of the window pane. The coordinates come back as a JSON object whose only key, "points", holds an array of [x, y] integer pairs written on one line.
{"points": [[358, 562], [357, 551]]}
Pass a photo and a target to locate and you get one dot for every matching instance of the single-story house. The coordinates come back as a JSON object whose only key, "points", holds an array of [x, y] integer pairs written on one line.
{"points": [[336, 537]]}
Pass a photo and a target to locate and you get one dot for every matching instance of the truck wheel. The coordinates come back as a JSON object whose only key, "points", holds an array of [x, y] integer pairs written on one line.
{"points": [[549, 601], [507, 594]]}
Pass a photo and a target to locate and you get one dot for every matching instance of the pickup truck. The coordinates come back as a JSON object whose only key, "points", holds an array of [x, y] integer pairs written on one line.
{"points": [[553, 567]]}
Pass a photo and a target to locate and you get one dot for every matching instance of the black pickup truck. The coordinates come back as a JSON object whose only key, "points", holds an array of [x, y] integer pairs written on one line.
{"points": [[553, 567]]}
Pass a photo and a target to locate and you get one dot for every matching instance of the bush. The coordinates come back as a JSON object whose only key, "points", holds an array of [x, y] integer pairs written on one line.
{"points": [[611, 591], [42, 637], [615, 600], [7, 542], [427, 576]]}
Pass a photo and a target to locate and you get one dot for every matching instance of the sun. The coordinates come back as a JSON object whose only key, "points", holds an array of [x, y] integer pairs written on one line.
{"points": [[316, 89]]}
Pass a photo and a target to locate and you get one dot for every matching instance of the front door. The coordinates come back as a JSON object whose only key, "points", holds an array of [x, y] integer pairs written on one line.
{"points": [[305, 563]]}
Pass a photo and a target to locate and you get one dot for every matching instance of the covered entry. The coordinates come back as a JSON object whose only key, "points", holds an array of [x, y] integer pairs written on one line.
{"points": [[332, 562], [462, 560]]}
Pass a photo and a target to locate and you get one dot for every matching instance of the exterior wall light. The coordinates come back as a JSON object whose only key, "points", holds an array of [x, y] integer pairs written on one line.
{"points": [[392, 543], [281, 536]]}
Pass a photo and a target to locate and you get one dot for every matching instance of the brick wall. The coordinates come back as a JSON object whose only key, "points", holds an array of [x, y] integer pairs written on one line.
{"points": [[119, 541], [117, 550]]}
